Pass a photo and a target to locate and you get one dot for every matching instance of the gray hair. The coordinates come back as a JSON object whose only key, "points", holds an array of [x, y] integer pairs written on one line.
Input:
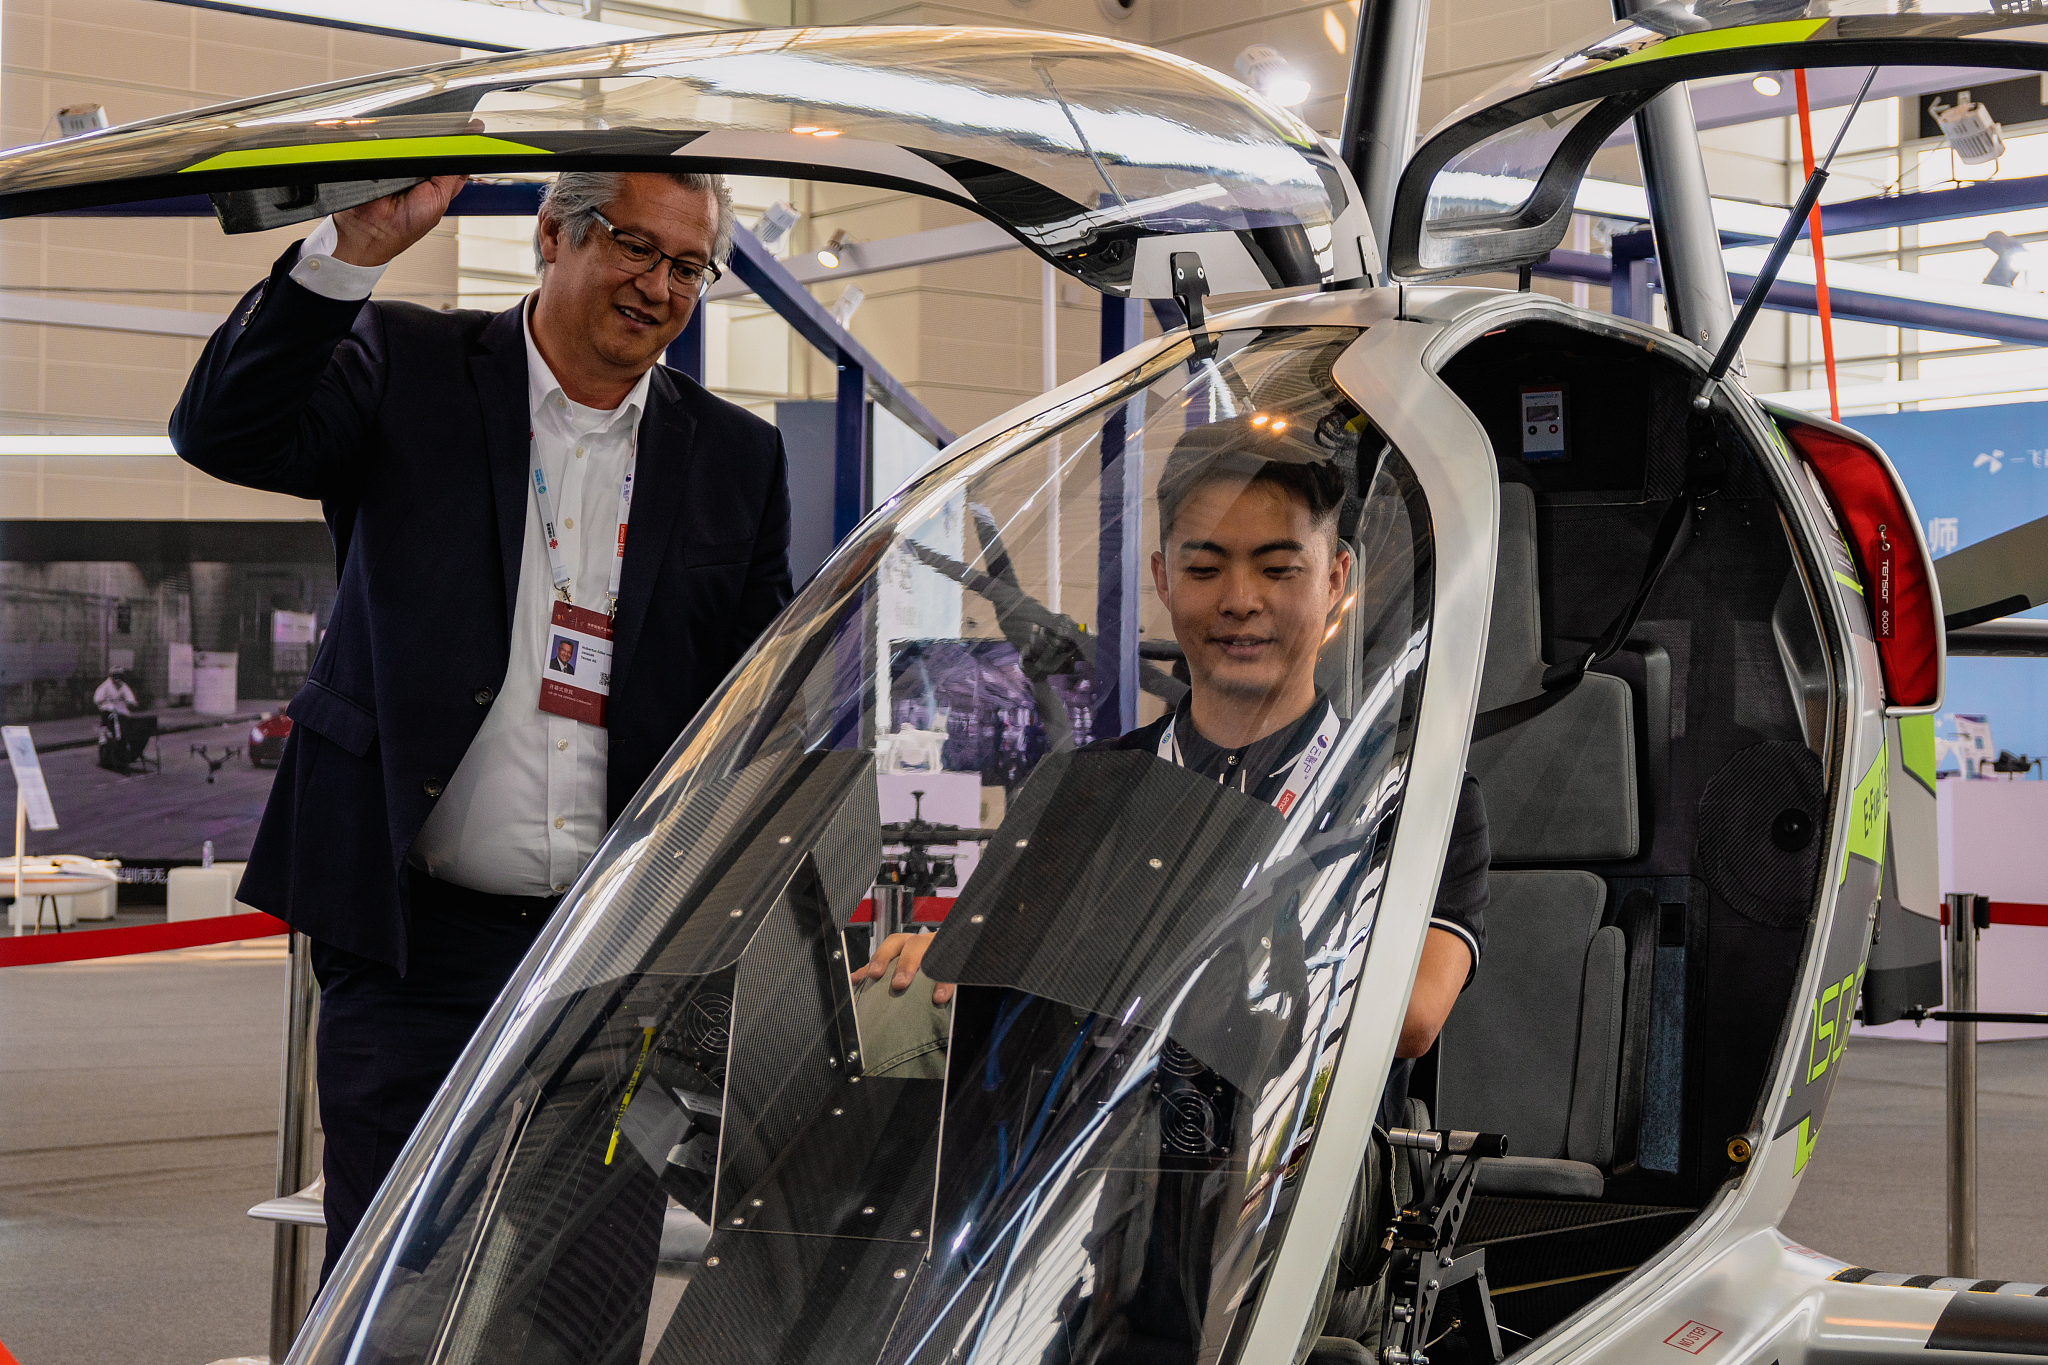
{"points": [[576, 198]]}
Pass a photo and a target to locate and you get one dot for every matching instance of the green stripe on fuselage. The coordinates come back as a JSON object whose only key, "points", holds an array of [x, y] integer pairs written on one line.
{"points": [[1721, 40], [1916, 748], [1869, 806], [366, 149]]}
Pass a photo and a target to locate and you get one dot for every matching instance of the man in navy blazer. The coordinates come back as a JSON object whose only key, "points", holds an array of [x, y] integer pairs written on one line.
{"points": [[492, 482]]}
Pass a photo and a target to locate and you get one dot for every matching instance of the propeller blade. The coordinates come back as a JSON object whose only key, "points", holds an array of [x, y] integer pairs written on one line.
{"points": [[1995, 577]]}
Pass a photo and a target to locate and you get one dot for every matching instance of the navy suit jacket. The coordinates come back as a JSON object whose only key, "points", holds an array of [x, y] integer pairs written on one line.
{"points": [[409, 425]]}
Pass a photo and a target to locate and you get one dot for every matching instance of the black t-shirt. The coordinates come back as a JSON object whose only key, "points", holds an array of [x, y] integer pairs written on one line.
{"points": [[1261, 769]]}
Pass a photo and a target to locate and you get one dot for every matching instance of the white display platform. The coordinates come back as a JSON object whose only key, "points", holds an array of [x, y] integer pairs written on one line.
{"points": [[1994, 842], [203, 892]]}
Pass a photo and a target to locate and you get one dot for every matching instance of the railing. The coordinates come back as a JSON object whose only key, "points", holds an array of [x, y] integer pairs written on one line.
{"points": [[1967, 917], [296, 1209]]}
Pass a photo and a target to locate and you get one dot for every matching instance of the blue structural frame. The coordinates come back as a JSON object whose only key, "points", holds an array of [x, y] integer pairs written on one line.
{"points": [[1117, 551], [1631, 273], [860, 374], [1632, 276]]}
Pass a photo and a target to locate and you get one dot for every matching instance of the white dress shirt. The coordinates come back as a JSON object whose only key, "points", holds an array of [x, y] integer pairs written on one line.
{"points": [[114, 696], [525, 809]]}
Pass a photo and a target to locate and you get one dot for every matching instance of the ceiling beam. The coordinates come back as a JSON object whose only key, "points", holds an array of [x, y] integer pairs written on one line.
{"points": [[453, 23]]}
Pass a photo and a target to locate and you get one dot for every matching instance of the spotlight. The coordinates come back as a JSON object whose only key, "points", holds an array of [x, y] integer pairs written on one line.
{"points": [[774, 224], [1266, 71], [1766, 84], [1973, 135], [848, 302], [828, 255], [2014, 261], [75, 119]]}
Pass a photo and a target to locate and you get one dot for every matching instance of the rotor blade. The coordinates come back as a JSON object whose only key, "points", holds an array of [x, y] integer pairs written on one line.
{"points": [[1995, 577], [2022, 638]]}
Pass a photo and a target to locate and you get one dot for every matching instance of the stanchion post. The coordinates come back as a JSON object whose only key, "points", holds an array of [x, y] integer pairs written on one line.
{"points": [[1962, 1085], [291, 1241]]}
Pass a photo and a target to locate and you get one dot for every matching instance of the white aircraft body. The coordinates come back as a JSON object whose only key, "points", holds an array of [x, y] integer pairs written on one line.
{"points": [[1689, 645]]}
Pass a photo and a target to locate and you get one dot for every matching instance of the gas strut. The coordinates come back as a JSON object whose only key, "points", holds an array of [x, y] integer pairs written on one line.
{"points": [[1802, 208]]}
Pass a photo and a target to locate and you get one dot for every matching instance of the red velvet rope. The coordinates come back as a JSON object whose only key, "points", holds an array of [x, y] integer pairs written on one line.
{"points": [[142, 938]]}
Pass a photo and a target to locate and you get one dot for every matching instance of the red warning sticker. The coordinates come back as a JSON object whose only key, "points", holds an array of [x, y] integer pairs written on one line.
{"points": [[1693, 1338]]}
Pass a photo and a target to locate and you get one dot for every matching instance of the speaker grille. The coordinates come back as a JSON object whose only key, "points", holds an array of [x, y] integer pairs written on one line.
{"points": [[1760, 832]]}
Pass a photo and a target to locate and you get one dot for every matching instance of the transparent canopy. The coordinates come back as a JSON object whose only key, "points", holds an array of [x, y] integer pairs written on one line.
{"points": [[686, 1134], [1082, 147], [1492, 186]]}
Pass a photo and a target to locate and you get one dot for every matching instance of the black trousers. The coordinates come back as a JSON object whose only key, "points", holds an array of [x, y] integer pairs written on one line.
{"points": [[386, 1042]]}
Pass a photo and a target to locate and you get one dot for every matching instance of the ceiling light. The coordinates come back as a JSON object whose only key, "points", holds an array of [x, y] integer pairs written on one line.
{"points": [[805, 128], [848, 302], [828, 255], [86, 445], [1766, 84], [1335, 31], [1266, 71], [775, 222], [1973, 135], [76, 119], [825, 132], [2013, 264]]}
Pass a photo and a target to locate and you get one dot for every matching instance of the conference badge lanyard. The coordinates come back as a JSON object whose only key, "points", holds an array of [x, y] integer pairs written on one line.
{"points": [[576, 675], [1305, 767]]}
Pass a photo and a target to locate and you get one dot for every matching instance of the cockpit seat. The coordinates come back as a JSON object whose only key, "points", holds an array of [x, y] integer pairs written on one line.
{"points": [[1533, 1049]]}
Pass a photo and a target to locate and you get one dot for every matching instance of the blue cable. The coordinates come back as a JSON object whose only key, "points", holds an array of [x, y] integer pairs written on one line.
{"points": [[1052, 1091]]}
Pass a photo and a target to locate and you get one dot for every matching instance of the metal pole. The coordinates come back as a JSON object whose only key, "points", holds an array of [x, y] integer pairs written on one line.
{"points": [[1049, 379], [1380, 103], [849, 450], [686, 352], [291, 1241], [1681, 213], [1962, 1086]]}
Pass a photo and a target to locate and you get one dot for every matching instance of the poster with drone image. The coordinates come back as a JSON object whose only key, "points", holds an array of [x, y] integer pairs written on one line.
{"points": [[151, 662]]}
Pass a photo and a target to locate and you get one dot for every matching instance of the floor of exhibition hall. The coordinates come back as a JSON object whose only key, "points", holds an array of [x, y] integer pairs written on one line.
{"points": [[143, 1099]]}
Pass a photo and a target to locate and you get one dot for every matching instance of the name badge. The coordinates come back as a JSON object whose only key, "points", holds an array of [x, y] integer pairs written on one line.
{"points": [[576, 675]]}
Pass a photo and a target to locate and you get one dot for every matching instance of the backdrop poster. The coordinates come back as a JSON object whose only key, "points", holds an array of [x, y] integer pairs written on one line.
{"points": [[210, 626]]}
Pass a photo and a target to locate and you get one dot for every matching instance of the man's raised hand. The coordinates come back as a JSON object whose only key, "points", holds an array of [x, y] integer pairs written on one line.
{"points": [[376, 233], [906, 952]]}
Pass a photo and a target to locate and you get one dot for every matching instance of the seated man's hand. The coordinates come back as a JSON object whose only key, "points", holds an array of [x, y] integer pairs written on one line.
{"points": [[905, 952]]}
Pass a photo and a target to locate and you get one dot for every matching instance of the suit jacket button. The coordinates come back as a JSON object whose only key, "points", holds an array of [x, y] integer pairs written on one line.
{"points": [[483, 696], [433, 787]]}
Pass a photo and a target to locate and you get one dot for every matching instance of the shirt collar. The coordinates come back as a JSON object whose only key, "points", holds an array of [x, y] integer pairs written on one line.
{"points": [[1263, 758], [542, 388]]}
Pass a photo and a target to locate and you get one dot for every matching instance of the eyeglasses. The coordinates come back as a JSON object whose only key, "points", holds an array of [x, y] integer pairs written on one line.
{"points": [[637, 256]]}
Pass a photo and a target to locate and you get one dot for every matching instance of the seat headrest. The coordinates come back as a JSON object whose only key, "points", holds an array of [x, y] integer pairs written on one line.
{"points": [[1514, 644], [1561, 786]]}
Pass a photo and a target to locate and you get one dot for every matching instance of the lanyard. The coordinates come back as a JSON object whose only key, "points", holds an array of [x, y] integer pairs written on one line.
{"points": [[556, 564], [1305, 766]]}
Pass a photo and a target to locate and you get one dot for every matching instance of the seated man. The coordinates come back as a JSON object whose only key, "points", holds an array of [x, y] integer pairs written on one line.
{"points": [[1250, 570]]}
